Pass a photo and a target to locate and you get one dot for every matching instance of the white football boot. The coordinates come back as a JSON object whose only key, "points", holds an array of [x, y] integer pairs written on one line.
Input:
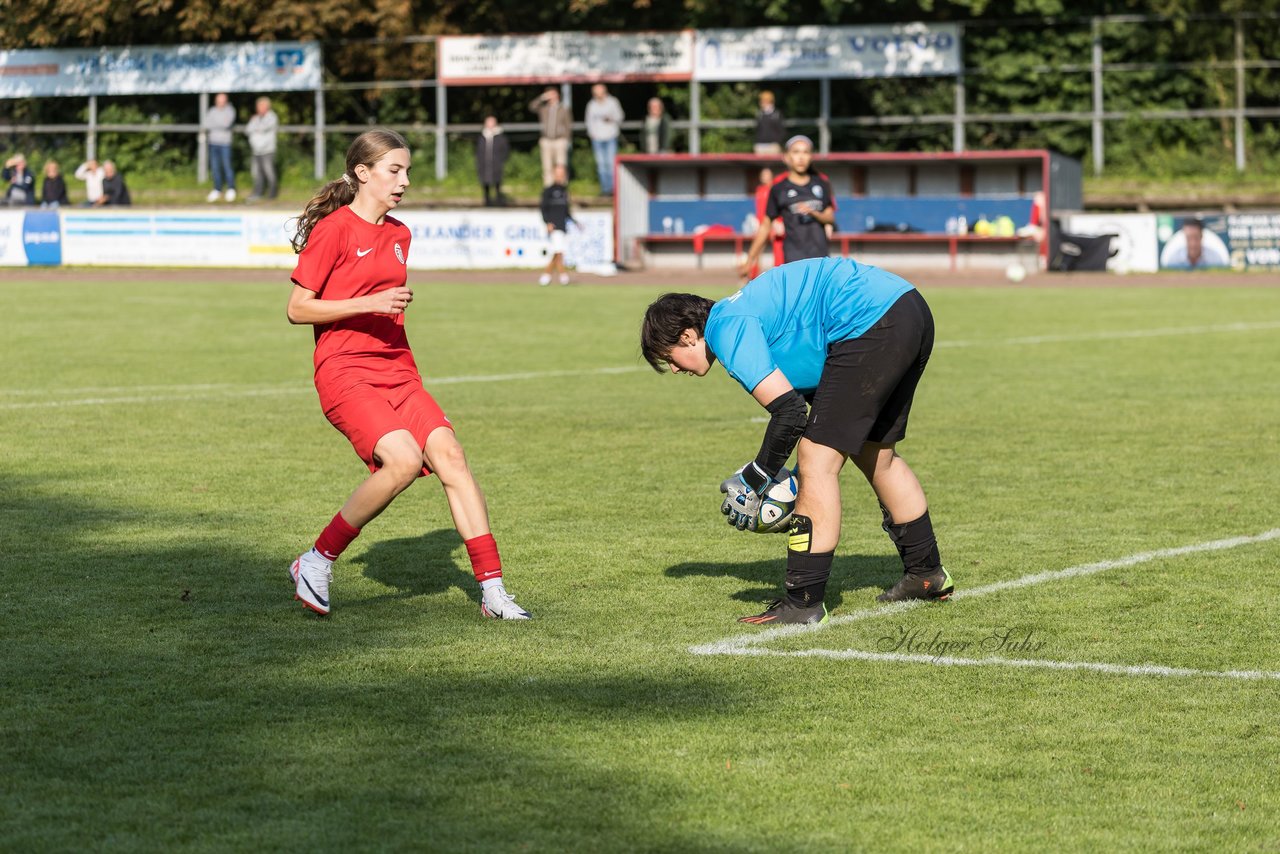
{"points": [[311, 575], [497, 603]]}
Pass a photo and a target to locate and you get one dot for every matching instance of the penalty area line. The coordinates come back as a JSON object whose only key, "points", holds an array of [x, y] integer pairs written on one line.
{"points": [[1043, 664], [752, 644]]}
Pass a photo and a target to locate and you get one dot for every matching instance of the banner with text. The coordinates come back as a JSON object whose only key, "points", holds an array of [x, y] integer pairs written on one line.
{"points": [[30, 238], [1240, 241], [442, 240], [159, 70], [803, 53], [565, 57]]}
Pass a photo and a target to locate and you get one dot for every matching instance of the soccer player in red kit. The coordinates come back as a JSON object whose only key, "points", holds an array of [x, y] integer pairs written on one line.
{"points": [[350, 284]]}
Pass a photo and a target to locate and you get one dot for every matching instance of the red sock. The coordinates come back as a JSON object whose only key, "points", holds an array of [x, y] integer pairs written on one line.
{"points": [[335, 538], [483, 551]]}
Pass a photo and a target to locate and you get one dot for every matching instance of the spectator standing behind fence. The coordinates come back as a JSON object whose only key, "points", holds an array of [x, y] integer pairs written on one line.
{"points": [[22, 184], [656, 134], [92, 174], [114, 191], [770, 126], [492, 148], [53, 192], [261, 131], [218, 122], [555, 128], [604, 118]]}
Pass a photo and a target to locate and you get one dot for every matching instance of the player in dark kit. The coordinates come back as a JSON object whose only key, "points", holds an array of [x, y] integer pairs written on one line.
{"points": [[852, 341], [804, 201]]}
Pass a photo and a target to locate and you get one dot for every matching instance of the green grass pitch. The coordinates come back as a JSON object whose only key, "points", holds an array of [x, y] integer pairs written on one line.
{"points": [[164, 459]]}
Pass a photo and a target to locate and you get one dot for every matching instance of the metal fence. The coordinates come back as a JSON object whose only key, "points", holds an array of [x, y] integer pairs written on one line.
{"points": [[959, 119]]}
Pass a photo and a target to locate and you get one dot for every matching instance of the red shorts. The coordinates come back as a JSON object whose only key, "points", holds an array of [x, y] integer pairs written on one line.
{"points": [[366, 412]]}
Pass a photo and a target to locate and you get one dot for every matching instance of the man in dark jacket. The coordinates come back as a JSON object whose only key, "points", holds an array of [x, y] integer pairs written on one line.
{"points": [[22, 184], [53, 192], [492, 149], [114, 191]]}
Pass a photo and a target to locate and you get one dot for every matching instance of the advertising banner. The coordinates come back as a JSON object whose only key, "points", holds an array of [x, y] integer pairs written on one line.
{"points": [[442, 240], [11, 252], [565, 57], [1135, 239], [190, 68], [804, 53], [1240, 241], [30, 238]]}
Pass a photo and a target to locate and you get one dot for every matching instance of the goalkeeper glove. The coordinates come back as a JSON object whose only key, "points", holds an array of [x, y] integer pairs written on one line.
{"points": [[744, 492]]}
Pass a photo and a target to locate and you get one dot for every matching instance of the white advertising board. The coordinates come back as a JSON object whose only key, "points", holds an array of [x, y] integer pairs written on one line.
{"points": [[176, 69], [567, 56], [442, 240], [12, 254], [1135, 241], [802, 53]]}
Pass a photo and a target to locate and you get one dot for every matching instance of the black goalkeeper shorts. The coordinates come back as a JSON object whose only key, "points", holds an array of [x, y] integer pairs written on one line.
{"points": [[868, 382]]}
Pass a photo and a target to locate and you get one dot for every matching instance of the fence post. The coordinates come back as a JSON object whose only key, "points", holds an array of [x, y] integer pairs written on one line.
{"points": [[202, 143], [91, 135], [1240, 158], [320, 155], [957, 126], [442, 147], [695, 108], [824, 116], [1098, 154]]}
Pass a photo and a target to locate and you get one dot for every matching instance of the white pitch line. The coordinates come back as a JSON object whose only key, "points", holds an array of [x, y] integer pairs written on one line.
{"points": [[997, 661], [214, 391], [750, 644]]}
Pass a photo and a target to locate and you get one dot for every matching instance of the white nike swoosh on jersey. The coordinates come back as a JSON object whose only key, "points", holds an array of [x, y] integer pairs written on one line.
{"points": [[361, 254]]}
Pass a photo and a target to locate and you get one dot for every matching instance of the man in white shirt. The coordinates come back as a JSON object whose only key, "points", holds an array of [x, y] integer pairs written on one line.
{"points": [[93, 175]]}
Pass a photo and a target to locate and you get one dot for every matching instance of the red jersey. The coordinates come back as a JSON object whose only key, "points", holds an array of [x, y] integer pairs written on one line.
{"points": [[347, 257]]}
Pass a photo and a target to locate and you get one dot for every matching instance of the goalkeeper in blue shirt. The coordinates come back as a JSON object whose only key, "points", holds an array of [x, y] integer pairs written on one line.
{"points": [[833, 350]]}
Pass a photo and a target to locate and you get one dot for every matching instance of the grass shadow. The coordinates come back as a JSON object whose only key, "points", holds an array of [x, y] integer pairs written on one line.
{"points": [[850, 572], [417, 566]]}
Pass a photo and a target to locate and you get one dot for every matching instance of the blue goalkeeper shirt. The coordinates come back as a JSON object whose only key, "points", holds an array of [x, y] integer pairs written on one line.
{"points": [[787, 317]]}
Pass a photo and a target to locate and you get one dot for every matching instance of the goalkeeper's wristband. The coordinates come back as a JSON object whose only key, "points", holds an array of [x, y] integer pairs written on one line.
{"points": [[754, 476]]}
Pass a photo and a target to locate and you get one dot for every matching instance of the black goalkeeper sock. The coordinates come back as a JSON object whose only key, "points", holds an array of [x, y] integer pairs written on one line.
{"points": [[807, 576], [916, 544]]}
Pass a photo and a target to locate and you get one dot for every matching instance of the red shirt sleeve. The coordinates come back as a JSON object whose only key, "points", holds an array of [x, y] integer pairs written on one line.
{"points": [[319, 257]]}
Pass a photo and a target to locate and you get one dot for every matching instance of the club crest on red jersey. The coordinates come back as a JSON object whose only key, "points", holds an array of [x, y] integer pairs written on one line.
{"points": [[399, 254]]}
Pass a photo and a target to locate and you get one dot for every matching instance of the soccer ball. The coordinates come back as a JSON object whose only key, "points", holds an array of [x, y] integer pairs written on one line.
{"points": [[1015, 272], [778, 504]]}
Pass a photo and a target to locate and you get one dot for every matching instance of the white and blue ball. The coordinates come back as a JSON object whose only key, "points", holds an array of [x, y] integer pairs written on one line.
{"points": [[778, 504]]}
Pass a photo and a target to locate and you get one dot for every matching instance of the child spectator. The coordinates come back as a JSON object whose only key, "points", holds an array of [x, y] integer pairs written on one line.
{"points": [[555, 213]]}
